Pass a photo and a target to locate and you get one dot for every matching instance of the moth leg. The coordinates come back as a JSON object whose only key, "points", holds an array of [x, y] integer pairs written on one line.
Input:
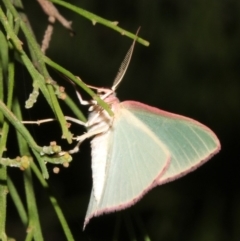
{"points": [[85, 136], [39, 122], [77, 121], [82, 101], [85, 124]]}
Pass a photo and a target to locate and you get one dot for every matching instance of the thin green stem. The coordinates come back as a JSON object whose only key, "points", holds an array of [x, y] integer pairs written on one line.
{"points": [[22, 142], [29, 236], [11, 35], [51, 97], [43, 70], [19, 127], [10, 84], [3, 200], [3, 55], [34, 227], [24, 150], [27, 62], [35, 74], [30, 38], [17, 201], [3, 170], [96, 19], [80, 83], [3, 71], [60, 116], [3, 173], [74, 108], [34, 223], [43, 167], [55, 204]]}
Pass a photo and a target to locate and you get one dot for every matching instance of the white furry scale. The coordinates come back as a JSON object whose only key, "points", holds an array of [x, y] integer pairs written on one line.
{"points": [[99, 121], [99, 159]]}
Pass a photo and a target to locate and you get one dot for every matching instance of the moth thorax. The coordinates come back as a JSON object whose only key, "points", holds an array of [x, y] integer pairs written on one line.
{"points": [[111, 99]]}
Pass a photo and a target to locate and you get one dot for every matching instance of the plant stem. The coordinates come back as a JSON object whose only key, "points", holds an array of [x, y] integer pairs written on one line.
{"points": [[22, 142], [3, 201], [96, 19], [34, 226], [55, 204], [19, 126], [45, 77], [34, 223], [3, 141], [75, 109], [80, 83], [17, 201]]}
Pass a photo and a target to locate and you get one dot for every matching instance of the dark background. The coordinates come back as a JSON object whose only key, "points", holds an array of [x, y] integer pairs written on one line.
{"points": [[192, 67]]}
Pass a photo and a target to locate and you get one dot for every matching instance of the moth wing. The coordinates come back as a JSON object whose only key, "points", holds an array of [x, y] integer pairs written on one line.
{"points": [[190, 143], [136, 159]]}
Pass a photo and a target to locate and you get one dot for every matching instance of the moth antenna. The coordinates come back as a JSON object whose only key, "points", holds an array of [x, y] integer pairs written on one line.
{"points": [[124, 65]]}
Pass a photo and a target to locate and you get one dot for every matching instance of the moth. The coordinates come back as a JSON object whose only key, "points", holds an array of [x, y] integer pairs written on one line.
{"points": [[138, 148]]}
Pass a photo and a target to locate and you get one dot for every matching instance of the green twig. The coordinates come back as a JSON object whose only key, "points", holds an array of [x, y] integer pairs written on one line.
{"points": [[74, 108], [53, 200], [45, 77], [34, 223], [34, 226], [27, 62], [3, 201], [55, 204], [29, 236], [80, 83], [96, 19], [20, 162], [5, 129], [3, 137], [17, 201], [10, 33], [43, 70], [19, 127], [3, 53], [42, 165], [23, 147]]}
